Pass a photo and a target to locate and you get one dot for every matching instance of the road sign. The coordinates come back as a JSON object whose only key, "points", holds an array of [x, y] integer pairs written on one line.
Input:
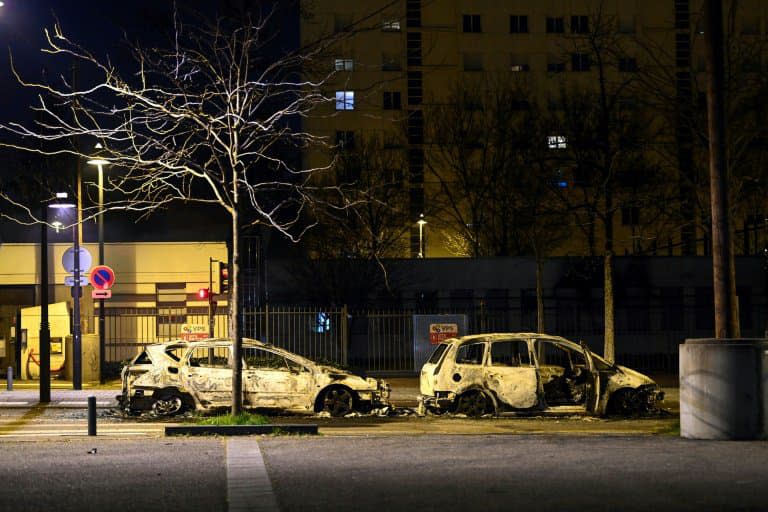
{"points": [[70, 280], [441, 332], [192, 332], [68, 260], [102, 277], [101, 294]]}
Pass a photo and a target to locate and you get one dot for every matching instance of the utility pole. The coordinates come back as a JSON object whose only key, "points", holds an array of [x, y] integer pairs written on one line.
{"points": [[45, 328], [723, 269]]}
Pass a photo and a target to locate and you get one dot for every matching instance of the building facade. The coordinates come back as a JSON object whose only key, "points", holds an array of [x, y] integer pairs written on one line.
{"points": [[610, 108]]}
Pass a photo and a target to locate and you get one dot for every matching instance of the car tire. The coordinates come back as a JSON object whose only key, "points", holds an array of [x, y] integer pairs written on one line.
{"points": [[473, 404], [624, 402], [338, 401], [168, 403]]}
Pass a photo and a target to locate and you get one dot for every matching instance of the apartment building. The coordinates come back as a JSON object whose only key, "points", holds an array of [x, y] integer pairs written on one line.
{"points": [[400, 63]]}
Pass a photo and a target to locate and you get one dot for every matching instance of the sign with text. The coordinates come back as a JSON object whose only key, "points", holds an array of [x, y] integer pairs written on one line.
{"points": [[441, 332], [429, 330], [192, 332]]}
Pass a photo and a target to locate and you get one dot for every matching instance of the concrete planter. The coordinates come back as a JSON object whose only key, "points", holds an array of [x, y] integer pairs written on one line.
{"points": [[724, 389], [240, 430]]}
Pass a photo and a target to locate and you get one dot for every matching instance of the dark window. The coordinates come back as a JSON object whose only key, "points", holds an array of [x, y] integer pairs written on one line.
{"points": [[345, 139], [579, 62], [342, 22], [413, 13], [630, 216], [473, 62], [555, 67], [413, 48], [471, 353], [518, 24], [416, 164], [672, 308], [704, 304], [555, 25], [579, 24], [415, 127], [390, 61], [627, 65], [472, 23], [392, 100], [437, 354], [510, 353], [415, 90]]}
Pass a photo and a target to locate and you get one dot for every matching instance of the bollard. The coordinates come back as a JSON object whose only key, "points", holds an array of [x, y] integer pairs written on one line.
{"points": [[9, 378], [91, 415]]}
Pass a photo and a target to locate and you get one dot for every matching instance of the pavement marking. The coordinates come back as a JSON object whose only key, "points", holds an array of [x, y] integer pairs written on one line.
{"points": [[5, 404], [248, 484]]}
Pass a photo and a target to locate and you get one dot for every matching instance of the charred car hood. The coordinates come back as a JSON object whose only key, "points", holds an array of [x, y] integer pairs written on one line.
{"points": [[628, 375]]}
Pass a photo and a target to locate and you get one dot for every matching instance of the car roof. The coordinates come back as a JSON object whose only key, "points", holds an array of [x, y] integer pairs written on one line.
{"points": [[249, 342], [498, 336]]}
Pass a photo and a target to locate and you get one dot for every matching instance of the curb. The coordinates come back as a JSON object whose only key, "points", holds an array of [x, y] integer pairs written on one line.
{"points": [[241, 430]]}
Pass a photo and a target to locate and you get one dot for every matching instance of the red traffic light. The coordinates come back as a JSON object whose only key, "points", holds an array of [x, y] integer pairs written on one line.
{"points": [[203, 293]]}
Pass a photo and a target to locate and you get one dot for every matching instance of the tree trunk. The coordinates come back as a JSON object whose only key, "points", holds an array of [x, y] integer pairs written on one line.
{"points": [[609, 347], [723, 271], [540, 328], [235, 328]]}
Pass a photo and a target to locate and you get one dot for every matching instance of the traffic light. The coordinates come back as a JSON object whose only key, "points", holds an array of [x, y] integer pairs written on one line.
{"points": [[223, 278], [203, 293]]}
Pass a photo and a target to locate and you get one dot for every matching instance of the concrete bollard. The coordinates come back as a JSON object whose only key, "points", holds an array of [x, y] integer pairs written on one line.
{"points": [[9, 378], [91, 415], [723, 391]]}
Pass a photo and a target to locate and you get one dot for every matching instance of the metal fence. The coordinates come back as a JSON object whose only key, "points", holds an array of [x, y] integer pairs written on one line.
{"points": [[382, 341]]}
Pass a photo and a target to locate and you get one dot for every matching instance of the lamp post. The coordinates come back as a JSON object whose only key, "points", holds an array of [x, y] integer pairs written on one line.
{"points": [[421, 222], [62, 203], [45, 328], [100, 162]]}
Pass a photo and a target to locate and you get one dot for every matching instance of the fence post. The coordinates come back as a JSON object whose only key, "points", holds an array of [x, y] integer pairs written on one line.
{"points": [[344, 335]]}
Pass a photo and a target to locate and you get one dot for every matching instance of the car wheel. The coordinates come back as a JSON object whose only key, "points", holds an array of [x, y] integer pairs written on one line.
{"points": [[338, 401], [473, 403], [624, 402], [167, 403]]}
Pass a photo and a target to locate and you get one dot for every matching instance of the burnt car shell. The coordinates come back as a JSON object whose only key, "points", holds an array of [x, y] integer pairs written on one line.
{"points": [[519, 372], [153, 369], [273, 378]]}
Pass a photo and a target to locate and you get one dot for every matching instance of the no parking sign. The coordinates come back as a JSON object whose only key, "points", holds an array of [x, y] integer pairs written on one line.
{"points": [[102, 277]]}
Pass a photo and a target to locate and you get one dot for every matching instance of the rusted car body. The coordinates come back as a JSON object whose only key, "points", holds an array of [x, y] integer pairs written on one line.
{"points": [[494, 373], [273, 378]]}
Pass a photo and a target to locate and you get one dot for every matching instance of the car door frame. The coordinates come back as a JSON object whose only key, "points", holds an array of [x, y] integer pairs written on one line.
{"points": [[510, 372], [296, 397], [217, 391]]}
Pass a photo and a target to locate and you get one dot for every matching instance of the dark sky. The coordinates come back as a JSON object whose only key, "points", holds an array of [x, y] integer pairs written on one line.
{"points": [[97, 25]]}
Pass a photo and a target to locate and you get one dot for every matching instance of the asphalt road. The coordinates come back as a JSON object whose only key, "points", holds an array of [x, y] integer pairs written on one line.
{"points": [[427, 472]]}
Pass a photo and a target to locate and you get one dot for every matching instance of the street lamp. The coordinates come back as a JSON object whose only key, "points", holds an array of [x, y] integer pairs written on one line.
{"points": [[62, 202], [421, 222], [100, 162]]}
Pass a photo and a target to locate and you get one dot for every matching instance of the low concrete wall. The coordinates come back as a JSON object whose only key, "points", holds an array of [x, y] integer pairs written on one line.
{"points": [[724, 389]]}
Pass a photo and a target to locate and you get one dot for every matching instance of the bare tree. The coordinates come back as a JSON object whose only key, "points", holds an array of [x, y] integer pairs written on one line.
{"points": [[602, 136], [211, 119]]}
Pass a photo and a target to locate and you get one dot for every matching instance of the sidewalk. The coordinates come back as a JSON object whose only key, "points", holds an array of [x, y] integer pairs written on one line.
{"points": [[27, 394]]}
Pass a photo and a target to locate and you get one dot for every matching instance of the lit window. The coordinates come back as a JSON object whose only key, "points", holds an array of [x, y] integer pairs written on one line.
{"points": [[518, 63], [322, 323], [557, 142], [345, 100], [390, 25], [344, 64]]}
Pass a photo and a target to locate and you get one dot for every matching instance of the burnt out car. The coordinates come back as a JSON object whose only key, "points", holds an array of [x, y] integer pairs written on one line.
{"points": [[494, 373], [273, 378]]}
